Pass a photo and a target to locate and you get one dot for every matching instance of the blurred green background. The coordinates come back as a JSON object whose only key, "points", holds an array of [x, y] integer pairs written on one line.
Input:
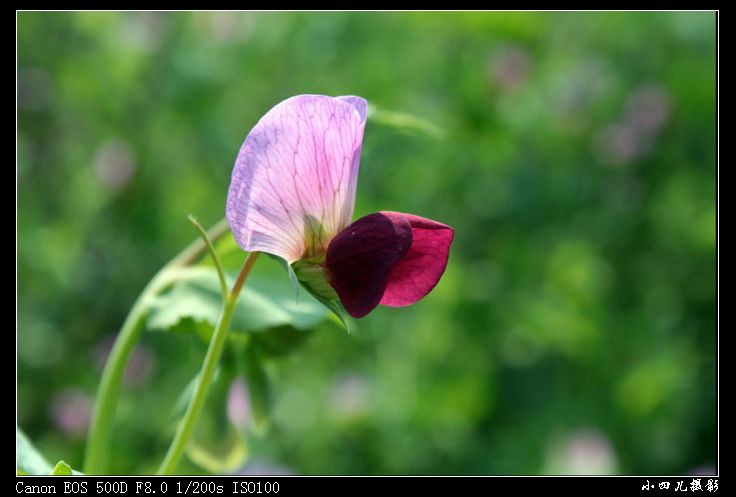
{"points": [[574, 153]]}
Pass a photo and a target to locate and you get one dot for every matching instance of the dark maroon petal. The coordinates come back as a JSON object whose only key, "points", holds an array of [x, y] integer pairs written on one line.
{"points": [[361, 258], [421, 268]]}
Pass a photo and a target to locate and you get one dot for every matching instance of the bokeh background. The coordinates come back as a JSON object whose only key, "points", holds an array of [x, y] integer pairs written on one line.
{"points": [[574, 153]]}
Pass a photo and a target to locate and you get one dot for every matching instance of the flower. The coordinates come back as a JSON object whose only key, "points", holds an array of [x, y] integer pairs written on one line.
{"points": [[292, 195]]}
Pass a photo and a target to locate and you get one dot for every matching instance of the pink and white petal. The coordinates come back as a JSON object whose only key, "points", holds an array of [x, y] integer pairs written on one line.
{"points": [[417, 273], [296, 170], [360, 104]]}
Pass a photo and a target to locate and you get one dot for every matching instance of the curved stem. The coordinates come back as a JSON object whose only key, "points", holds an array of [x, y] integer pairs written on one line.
{"points": [[98, 441], [97, 452], [186, 426], [213, 254]]}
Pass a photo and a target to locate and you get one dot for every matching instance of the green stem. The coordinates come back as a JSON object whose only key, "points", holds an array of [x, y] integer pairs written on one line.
{"points": [[186, 426], [213, 254], [97, 453]]}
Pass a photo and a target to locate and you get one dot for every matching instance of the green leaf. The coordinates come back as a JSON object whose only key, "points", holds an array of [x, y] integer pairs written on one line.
{"points": [[180, 407], [194, 300], [259, 392], [280, 341], [28, 460], [230, 253], [222, 457], [182, 402], [216, 445], [62, 469]]}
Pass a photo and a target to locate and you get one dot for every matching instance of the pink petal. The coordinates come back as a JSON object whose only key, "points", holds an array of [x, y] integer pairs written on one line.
{"points": [[293, 184], [360, 259], [417, 273]]}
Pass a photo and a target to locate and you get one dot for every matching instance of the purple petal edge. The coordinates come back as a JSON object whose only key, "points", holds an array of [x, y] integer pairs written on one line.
{"points": [[419, 271]]}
